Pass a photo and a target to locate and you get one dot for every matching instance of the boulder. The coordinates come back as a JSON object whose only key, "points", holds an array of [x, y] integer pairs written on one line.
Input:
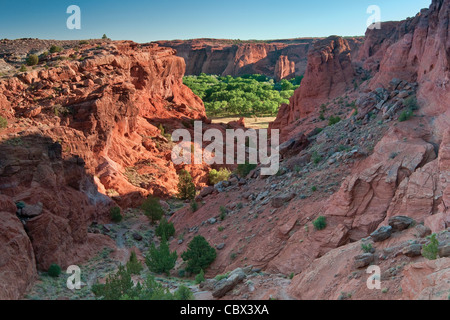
{"points": [[399, 223], [222, 287], [363, 260], [381, 234], [412, 250]]}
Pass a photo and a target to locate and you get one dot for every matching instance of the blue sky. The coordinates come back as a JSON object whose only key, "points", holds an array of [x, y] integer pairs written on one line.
{"points": [[144, 21]]}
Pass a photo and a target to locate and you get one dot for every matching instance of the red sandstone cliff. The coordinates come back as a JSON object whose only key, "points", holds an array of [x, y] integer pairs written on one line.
{"points": [[279, 59], [88, 123]]}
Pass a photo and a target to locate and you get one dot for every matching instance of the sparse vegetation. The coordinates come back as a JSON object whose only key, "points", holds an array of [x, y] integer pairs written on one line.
{"points": [[334, 120], [119, 286], [320, 223], [316, 157], [23, 68]]}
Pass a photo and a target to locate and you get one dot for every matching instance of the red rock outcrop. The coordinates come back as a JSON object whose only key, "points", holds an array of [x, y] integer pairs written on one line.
{"points": [[96, 119], [329, 74], [17, 261]]}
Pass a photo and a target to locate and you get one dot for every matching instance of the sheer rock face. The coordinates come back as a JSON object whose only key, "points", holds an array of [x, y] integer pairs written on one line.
{"points": [[279, 59], [329, 74]]}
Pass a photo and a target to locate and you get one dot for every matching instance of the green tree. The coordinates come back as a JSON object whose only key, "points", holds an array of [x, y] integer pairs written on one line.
{"points": [[199, 255], [183, 293], [186, 186], [133, 265], [200, 277], [161, 260], [431, 250], [152, 209], [165, 229]]}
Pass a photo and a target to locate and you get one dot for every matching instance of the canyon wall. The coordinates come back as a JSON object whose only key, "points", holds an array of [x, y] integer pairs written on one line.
{"points": [[280, 59]]}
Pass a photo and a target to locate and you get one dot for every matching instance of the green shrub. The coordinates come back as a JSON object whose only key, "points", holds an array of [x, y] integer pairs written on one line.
{"points": [[411, 103], [194, 206], [334, 120], [217, 176], [244, 169], [291, 276], [183, 293], [199, 255], [200, 277], [366, 248], [221, 276], [3, 123], [405, 115], [152, 209], [320, 223], [316, 157], [115, 214], [133, 265], [120, 286], [431, 250], [54, 270], [186, 186], [223, 213], [181, 273], [23, 68], [314, 189], [32, 60], [161, 260], [54, 49], [165, 229]]}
